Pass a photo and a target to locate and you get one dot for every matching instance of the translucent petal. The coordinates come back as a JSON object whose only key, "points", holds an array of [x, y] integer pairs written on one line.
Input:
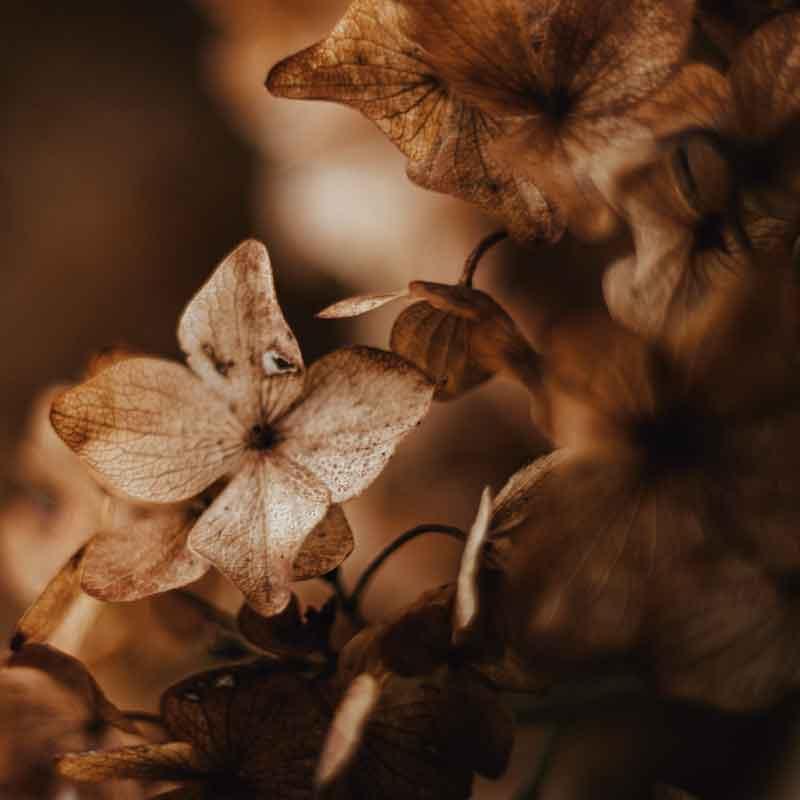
{"points": [[145, 555], [235, 337], [359, 402], [255, 529], [151, 428]]}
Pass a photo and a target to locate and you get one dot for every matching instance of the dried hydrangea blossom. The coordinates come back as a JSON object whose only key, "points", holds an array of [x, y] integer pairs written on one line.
{"points": [[251, 730], [728, 22], [665, 521], [502, 105], [289, 442], [730, 186], [51, 704]]}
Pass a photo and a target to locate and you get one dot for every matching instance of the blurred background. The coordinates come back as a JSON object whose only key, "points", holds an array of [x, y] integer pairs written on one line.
{"points": [[139, 147]]}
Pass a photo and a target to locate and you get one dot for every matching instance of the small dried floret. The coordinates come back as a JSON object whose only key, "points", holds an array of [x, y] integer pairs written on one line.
{"points": [[661, 524], [504, 105], [288, 443]]}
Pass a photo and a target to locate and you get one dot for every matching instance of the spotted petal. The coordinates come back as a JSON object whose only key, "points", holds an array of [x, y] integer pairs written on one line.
{"points": [[235, 337], [254, 530], [359, 403]]}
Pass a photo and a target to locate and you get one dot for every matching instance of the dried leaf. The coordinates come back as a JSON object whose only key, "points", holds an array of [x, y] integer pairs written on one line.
{"points": [[151, 428], [254, 530], [40, 621], [466, 602], [347, 729], [358, 403], [236, 339], [173, 761], [355, 306]]}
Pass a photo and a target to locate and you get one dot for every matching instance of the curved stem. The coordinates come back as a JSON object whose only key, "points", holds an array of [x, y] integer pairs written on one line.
{"points": [[369, 572], [474, 258]]}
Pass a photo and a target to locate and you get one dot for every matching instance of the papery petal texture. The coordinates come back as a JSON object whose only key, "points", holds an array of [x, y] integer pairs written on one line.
{"points": [[254, 530], [236, 338], [151, 428], [358, 403], [144, 555]]}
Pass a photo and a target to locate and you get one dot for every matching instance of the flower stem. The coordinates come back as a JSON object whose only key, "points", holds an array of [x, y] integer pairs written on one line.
{"points": [[377, 562], [474, 258]]}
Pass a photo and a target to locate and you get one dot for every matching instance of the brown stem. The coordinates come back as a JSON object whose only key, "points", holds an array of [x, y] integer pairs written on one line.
{"points": [[474, 258], [369, 572]]}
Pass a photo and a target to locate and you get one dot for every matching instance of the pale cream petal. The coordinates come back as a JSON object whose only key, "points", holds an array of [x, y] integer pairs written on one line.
{"points": [[255, 529], [359, 403], [347, 728], [151, 428], [235, 337], [465, 604], [145, 555], [361, 304]]}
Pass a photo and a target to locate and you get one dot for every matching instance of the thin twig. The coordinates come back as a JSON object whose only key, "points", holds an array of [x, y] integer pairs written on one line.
{"points": [[474, 258], [369, 572]]}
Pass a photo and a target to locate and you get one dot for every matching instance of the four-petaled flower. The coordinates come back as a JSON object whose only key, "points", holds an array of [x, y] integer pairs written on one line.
{"points": [[289, 442]]}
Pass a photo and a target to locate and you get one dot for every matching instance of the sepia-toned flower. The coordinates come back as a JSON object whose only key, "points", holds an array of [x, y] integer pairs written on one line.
{"points": [[51, 704], [503, 105], [664, 524], [722, 191], [288, 442]]}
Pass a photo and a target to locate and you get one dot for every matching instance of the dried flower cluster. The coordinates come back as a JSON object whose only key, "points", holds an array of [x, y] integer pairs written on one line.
{"points": [[657, 541]]}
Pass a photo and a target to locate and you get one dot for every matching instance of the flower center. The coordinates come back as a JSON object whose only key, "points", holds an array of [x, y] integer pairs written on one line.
{"points": [[261, 437], [676, 440]]}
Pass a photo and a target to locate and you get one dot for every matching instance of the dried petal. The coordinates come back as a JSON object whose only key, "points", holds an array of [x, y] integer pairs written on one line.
{"points": [[236, 339], [347, 729], [151, 428], [73, 676], [146, 555], [465, 606], [254, 530], [725, 635], [513, 504], [446, 139], [40, 621], [355, 306], [173, 761], [327, 546], [359, 402], [262, 725], [438, 343]]}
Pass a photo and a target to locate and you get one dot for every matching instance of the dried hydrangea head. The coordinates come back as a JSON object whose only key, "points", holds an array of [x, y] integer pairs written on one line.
{"points": [[500, 104], [726, 192], [247, 731], [457, 335], [665, 522], [51, 704], [288, 442]]}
